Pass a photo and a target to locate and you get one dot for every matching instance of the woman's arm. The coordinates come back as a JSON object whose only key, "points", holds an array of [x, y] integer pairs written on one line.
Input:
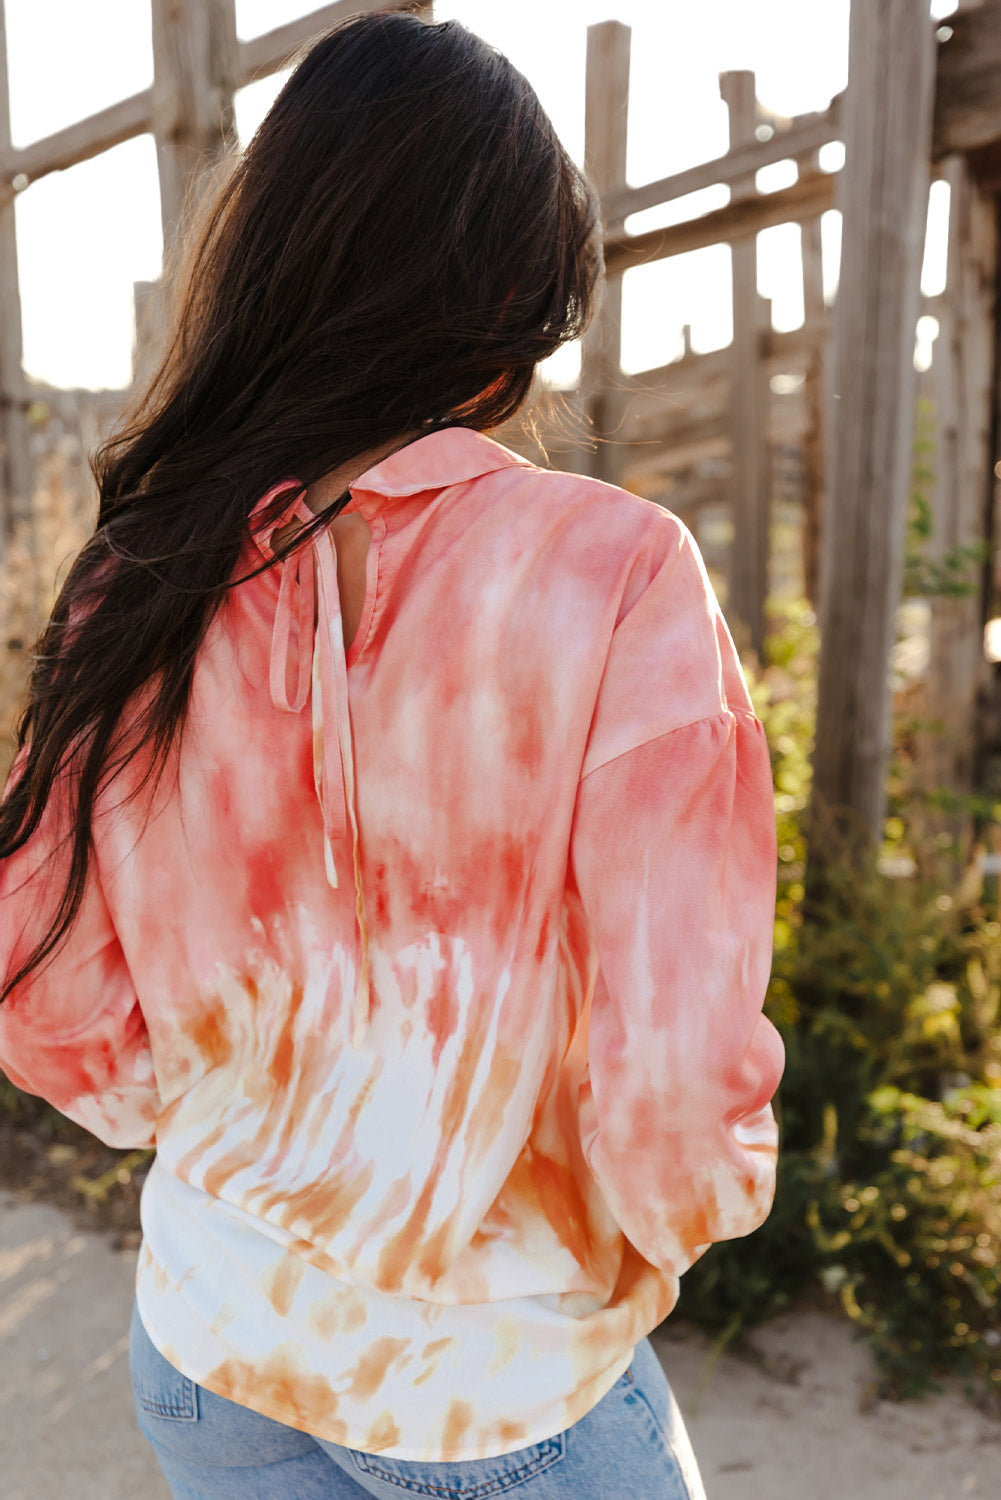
{"points": [[72, 1031], [673, 851], [674, 857]]}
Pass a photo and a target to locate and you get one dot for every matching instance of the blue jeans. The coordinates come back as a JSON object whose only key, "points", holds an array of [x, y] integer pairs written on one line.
{"points": [[633, 1443]]}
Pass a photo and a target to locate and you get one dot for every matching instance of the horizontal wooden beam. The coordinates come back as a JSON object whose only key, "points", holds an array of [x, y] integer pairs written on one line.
{"points": [[265, 54], [967, 118], [813, 194], [677, 445], [794, 348], [689, 498], [262, 55], [653, 423], [133, 116], [968, 81], [78, 142], [804, 134], [784, 352]]}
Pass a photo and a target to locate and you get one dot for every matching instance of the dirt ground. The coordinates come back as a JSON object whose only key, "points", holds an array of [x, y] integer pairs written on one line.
{"points": [[794, 1416], [47, 1159]]}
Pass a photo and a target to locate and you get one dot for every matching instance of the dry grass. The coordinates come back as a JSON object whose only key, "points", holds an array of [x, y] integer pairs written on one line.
{"points": [[36, 562]]}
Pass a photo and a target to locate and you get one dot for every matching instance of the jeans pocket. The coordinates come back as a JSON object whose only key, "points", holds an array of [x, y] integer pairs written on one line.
{"points": [[159, 1389], [472, 1479]]}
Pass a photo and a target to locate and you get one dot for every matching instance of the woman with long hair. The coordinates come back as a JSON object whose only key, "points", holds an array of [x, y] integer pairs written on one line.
{"points": [[391, 840]]}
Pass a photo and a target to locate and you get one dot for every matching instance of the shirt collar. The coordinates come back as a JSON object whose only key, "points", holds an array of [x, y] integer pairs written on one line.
{"points": [[450, 455]]}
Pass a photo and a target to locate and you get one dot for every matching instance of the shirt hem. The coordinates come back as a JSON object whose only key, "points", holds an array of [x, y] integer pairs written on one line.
{"points": [[576, 1407]]}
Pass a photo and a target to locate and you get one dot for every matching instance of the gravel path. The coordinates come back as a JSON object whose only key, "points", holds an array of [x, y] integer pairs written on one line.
{"points": [[800, 1424]]}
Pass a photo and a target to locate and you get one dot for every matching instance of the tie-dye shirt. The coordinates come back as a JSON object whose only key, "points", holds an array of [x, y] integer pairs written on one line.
{"points": [[434, 968]]}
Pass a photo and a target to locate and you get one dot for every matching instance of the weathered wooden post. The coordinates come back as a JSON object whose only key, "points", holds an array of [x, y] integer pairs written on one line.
{"points": [[15, 498], [814, 318], [606, 108], [962, 375], [195, 74], [750, 482], [196, 71], [883, 197]]}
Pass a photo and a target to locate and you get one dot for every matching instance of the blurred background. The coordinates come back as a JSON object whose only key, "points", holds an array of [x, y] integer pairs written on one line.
{"points": [[799, 353]]}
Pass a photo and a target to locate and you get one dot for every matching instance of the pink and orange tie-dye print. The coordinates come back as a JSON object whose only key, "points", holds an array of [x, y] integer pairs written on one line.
{"points": [[441, 1002]]}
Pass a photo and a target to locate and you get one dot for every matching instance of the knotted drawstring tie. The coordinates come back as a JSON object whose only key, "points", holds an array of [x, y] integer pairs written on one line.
{"points": [[308, 593]]}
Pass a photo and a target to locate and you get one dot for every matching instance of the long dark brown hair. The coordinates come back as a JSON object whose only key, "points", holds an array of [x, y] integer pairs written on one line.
{"points": [[400, 244]]}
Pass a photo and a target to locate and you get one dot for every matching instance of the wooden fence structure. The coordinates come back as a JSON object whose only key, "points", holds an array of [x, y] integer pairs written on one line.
{"points": [[198, 64], [826, 413], [822, 415]]}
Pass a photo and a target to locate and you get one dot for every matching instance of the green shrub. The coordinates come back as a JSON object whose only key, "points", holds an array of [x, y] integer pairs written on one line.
{"points": [[923, 1276], [887, 1000]]}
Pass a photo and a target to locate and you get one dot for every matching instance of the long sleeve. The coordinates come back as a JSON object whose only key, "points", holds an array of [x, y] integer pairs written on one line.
{"points": [[72, 1031], [674, 855]]}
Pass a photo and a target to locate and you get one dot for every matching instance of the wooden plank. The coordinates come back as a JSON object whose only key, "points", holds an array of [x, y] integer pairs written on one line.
{"points": [[814, 400], [261, 55], [17, 466], [678, 447], [78, 142], [134, 116], [605, 114], [958, 676], [149, 329], [747, 574], [690, 499], [812, 195], [884, 199], [653, 419], [652, 411], [785, 352], [194, 77], [814, 306], [655, 443], [804, 134], [814, 314], [686, 493], [266, 54], [968, 81], [662, 442]]}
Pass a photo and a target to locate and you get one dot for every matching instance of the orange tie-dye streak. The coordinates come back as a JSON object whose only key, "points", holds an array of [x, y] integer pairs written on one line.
{"points": [[440, 1001]]}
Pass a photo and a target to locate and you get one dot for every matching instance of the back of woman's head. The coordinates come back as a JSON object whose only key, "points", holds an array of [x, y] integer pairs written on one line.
{"points": [[400, 244], [404, 233]]}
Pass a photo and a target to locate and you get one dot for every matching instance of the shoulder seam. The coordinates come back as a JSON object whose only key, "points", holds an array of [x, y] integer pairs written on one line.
{"points": [[724, 713]]}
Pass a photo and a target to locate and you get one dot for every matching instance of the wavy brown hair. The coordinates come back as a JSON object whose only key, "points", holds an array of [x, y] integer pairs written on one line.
{"points": [[401, 243]]}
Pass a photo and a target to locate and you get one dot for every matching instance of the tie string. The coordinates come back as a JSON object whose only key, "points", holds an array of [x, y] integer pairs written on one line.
{"points": [[309, 595]]}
